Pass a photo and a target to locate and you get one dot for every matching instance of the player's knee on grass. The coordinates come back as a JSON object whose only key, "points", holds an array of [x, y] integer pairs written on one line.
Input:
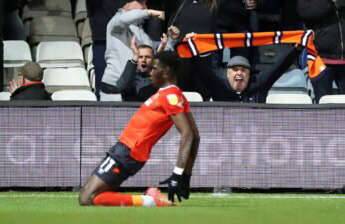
{"points": [[85, 198], [93, 186]]}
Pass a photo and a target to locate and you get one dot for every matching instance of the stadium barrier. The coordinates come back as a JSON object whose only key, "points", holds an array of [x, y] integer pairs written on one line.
{"points": [[242, 145]]}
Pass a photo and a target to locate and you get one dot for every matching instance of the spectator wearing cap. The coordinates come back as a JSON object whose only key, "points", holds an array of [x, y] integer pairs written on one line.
{"points": [[29, 85], [240, 83]]}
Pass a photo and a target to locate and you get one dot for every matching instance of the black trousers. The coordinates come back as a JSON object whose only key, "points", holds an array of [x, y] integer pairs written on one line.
{"points": [[323, 83]]}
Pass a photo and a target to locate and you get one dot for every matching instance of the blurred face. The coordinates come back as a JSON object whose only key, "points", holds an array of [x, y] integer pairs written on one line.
{"points": [[145, 58], [134, 5], [158, 74], [238, 77]]}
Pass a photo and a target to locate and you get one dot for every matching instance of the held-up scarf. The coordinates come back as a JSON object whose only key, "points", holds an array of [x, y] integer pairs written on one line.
{"points": [[201, 44]]}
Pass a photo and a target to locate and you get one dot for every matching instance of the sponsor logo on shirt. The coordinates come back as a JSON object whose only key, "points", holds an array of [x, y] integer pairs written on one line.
{"points": [[172, 99]]}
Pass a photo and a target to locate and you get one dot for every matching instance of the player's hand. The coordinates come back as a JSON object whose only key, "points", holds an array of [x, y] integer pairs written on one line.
{"points": [[174, 183], [185, 186]]}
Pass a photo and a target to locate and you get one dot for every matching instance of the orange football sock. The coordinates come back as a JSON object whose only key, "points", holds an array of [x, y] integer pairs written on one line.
{"points": [[113, 199], [118, 199]]}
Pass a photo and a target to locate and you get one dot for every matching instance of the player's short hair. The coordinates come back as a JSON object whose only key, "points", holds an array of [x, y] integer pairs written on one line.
{"points": [[32, 71], [171, 60]]}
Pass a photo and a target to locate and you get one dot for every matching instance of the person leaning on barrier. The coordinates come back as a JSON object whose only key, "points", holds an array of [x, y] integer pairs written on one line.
{"points": [[29, 85], [240, 85]]}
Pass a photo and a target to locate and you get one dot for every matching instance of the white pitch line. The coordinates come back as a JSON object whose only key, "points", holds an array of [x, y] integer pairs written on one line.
{"points": [[269, 196], [206, 196]]}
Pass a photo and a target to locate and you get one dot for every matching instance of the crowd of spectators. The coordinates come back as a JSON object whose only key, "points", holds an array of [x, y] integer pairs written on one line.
{"points": [[126, 34]]}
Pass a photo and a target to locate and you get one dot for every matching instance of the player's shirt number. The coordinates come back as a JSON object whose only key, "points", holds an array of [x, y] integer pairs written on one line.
{"points": [[106, 165]]}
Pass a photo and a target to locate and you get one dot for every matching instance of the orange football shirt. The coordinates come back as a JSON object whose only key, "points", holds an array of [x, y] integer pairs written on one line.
{"points": [[152, 121]]}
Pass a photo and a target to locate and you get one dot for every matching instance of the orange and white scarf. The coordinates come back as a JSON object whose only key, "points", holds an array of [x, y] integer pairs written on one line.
{"points": [[201, 44]]}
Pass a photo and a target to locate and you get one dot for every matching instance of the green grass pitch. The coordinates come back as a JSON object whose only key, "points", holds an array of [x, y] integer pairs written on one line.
{"points": [[62, 207]]}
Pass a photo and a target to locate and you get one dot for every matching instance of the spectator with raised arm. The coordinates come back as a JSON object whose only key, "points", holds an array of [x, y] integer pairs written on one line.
{"points": [[242, 84], [134, 83], [125, 24]]}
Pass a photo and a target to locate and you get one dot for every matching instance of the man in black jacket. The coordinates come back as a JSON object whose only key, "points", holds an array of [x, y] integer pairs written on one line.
{"points": [[29, 85], [239, 85], [137, 86], [134, 83]]}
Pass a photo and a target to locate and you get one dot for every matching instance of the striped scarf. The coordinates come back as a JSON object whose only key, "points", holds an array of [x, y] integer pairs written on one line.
{"points": [[201, 44]]}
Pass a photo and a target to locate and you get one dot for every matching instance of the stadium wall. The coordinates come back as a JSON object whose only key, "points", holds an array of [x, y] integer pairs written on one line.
{"points": [[242, 145]]}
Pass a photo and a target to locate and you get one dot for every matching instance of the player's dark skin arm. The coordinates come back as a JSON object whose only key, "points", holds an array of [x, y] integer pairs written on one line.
{"points": [[195, 145], [185, 128]]}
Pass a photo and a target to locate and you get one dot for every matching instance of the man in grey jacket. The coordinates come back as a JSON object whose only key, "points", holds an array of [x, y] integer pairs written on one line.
{"points": [[125, 24]]}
